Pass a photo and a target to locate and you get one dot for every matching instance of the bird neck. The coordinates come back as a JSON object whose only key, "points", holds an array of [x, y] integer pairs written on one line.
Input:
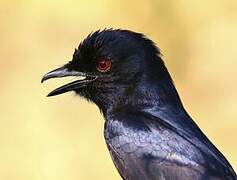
{"points": [[148, 93]]}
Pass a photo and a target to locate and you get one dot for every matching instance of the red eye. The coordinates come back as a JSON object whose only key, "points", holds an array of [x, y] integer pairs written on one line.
{"points": [[104, 65]]}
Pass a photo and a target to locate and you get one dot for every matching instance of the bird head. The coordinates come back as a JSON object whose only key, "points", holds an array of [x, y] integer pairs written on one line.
{"points": [[113, 63]]}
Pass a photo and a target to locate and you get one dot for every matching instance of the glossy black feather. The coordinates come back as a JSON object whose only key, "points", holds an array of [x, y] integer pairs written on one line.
{"points": [[149, 134]]}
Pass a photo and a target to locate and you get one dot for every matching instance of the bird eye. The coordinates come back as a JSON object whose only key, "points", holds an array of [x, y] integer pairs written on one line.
{"points": [[104, 65]]}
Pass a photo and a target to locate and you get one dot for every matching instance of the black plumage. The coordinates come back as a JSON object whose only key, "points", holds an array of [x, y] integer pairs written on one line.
{"points": [[147, 130]]}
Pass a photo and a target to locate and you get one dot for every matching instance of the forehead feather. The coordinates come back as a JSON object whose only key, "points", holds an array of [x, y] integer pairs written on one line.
{"points": [[100, 38]]}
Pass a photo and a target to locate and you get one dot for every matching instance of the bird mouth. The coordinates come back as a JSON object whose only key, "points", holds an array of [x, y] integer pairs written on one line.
{"points": [[74, 85]]}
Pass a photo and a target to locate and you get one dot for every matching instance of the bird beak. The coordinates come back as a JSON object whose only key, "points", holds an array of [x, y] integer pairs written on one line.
{"points": [[63, 72]]}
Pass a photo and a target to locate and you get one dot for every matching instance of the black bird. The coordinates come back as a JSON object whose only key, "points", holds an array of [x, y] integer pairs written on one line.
{"points": [[149, 134]]}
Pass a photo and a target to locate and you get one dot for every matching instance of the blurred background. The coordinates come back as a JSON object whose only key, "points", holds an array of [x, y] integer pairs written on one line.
{"points": [[61, 138]]}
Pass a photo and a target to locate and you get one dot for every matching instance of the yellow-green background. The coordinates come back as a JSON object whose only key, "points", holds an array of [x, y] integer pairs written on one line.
{"points": [[61, 138]]}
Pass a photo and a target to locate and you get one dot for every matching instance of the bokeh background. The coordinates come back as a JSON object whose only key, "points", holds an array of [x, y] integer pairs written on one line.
{"points": [[61, 138]]}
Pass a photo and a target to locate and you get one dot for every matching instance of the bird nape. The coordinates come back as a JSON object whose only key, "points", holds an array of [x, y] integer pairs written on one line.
{"points": [[149, 134]]}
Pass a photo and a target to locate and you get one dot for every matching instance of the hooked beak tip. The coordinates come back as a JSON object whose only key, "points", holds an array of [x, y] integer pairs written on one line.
{"points": [[59, 72], [43, 79]]}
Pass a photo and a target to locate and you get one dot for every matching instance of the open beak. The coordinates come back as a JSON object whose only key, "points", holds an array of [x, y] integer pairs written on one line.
{"points": [[63, 72]]}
